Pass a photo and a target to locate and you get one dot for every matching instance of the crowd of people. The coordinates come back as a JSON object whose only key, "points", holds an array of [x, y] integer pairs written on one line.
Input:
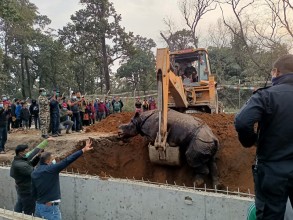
{"points": [[145, 105], [52, 113]]}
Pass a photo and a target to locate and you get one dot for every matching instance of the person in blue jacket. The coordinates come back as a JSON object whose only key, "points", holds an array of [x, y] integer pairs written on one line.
{"points": [[46, 184]]}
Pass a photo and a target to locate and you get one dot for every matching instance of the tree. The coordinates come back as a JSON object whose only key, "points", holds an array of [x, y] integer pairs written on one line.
{"points": [[258, 46], [193, 11], [139, 69], [97, 27], [179, 40]]}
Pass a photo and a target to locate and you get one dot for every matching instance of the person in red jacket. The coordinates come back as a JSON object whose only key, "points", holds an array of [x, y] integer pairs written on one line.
{"points": [[102, 110], [152, 104], [92, 112]]}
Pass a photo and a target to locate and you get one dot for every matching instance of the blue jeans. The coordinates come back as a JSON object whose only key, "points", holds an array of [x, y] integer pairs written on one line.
{"points": [[3, 137], [48, 212], [76, 119]]}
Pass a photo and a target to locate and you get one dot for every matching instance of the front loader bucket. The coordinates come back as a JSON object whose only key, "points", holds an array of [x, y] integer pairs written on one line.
{"points": [[170, 156]]}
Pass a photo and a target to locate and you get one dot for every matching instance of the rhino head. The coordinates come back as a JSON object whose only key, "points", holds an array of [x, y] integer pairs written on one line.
{"points": [[126, 131]]}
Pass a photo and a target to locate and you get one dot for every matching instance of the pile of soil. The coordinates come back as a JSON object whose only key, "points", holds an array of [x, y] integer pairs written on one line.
{"points": [[111, 123], [112, 157]]}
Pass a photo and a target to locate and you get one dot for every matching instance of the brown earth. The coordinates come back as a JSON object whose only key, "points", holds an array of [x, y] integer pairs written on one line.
{"points": [[129, 160], [112, 157]]}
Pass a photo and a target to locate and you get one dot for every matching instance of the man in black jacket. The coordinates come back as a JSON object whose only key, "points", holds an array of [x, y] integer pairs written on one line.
{"points": [[46, 185], [4, 113], [271, 108], [21, 169], [55, 114], [34, 111]]}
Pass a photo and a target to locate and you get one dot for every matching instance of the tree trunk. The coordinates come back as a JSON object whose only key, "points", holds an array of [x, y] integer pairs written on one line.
{"points": [[101, 83], [22, 76], [171, 47], [83, 80], [6, 64], [28, 77], [105, 64]]}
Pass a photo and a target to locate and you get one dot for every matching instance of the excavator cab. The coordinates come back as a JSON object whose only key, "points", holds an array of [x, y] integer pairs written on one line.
{"points": [[200, 86], [185, 84]]}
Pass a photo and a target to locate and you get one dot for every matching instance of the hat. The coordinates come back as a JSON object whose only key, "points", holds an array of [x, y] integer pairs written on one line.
{"points": [[102, 101], [20, 148], [64, 105]]}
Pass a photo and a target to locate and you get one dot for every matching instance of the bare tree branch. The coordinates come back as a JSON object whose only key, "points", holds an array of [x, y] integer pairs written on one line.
{"points": [[282, 17], [193, 11], [240, 33]]}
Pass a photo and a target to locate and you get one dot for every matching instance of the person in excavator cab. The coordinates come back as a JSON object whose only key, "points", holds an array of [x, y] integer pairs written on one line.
{"points": [[191, 73]]}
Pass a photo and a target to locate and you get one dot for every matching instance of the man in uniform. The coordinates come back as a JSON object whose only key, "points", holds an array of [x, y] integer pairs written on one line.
{"points": [[44, 112], [271, 108]]}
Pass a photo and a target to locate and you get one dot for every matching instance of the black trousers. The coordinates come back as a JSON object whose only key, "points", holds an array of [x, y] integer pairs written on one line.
{"points": [[26, 204], [55, 122], [273, 182]]}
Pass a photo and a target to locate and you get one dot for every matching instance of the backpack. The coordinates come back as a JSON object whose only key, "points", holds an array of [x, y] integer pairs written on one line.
{"points": [[116, 106], [36, 109]]}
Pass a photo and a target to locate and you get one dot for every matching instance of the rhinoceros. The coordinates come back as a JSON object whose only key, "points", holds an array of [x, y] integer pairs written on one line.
{"points": [[193, 136]]}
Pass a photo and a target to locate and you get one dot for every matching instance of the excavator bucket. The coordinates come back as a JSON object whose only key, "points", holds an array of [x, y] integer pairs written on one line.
{"points": [[170, 156]]}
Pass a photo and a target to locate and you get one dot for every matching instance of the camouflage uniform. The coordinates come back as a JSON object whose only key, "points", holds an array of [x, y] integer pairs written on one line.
{"points": [[44, 114]]}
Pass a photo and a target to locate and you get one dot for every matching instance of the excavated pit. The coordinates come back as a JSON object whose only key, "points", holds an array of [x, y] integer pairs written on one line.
{"points": [[112, 157]]}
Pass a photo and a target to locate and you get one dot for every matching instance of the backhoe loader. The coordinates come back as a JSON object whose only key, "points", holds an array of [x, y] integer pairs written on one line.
{"points": [[184, 83]]}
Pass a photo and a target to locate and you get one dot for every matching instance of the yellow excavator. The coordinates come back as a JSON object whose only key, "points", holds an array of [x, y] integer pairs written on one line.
{"points": [[185, 83]]}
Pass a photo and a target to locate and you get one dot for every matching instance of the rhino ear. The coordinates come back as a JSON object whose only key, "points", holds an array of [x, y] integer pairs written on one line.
{"points": [[136, 114]]}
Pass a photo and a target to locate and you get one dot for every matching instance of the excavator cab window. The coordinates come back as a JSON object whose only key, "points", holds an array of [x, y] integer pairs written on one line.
{"points": [[183, 60], [202, 67]]}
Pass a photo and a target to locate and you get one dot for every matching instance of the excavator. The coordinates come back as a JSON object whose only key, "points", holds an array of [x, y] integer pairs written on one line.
{"points": [[185, 84]]}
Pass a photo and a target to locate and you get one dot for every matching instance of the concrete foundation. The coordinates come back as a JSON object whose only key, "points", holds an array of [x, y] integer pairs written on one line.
{"points": [[91, 198], [10, 215]]}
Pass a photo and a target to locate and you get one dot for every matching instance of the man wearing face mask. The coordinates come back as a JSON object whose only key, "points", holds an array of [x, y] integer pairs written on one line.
{"points": [[74, 105], [65, 121], [271, 108], [46, 185], [21, 168], [44, 112], [55, 113], [4, 114]]}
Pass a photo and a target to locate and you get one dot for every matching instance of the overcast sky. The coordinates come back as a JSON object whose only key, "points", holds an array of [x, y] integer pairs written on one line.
{"points": [[143, 17]]}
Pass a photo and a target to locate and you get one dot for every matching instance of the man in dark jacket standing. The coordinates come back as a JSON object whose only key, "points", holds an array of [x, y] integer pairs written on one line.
{"points": [[21, 169], [4, 113], [34, 111], [46, 185], [74, 106], [54, 115], [271, 108]]}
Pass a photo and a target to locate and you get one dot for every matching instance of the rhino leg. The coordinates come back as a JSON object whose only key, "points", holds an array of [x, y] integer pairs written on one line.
{"points": [[199, 180], [214, 171]]}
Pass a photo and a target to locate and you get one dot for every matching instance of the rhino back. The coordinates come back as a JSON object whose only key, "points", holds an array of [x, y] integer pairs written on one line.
{"points": [[182, 128]]}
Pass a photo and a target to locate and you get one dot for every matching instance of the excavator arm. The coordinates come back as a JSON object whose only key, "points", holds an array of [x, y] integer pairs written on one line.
{"points": [[168, 83]]}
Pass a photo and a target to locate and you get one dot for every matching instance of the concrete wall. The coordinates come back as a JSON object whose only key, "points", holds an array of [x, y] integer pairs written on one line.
{"points": [[91, 198], [10, 215]]}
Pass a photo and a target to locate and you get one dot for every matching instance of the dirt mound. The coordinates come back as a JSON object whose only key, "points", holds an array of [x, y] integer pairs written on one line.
{"points": [[113, 157], [111, 123]]}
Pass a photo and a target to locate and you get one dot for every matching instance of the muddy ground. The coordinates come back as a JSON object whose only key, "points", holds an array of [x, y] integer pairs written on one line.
{"points": [[113, 157]]}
